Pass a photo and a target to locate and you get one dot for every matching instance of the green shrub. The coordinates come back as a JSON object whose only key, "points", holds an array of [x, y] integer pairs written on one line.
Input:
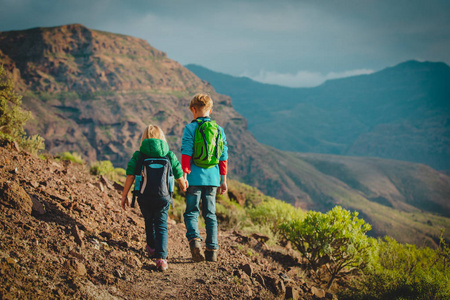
{"points": [[443, 252], [273, 212], [72, 156], [107, 169], [104, 167], [402, 272], [120, 172], [33, 144], [13, 118], [336, 241]]}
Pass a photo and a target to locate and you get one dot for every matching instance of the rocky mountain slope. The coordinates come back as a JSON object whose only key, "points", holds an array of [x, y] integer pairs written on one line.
{"points": [[64, 236], [94, 92], [105, 121], [401, 112]]}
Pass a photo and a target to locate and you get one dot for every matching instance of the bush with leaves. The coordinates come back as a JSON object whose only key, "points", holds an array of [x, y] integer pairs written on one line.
{"points": [[336, 241], [443, 253], [403, 271], [273, 212], [107, 169], [72, 156], [13, 117], [104, 167]]}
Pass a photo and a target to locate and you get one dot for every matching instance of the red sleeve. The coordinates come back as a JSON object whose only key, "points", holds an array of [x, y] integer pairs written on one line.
{"points": [[223, 164], [186, 163]]}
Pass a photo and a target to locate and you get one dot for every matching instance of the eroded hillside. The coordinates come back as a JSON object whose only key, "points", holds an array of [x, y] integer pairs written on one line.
{"points": [[64, 236]]}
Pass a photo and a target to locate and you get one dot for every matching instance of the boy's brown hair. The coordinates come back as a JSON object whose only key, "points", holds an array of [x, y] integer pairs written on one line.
{"points": [[201, 102]]}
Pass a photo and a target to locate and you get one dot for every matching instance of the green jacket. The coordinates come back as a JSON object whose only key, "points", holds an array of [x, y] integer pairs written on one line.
{"points": [[155, 148]]}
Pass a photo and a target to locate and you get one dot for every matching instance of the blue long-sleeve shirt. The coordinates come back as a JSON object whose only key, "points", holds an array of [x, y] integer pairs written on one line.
{"points": [[200, 176]]}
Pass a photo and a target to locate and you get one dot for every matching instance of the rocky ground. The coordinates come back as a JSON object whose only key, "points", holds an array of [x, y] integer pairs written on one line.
{"points": [[64, 235]]}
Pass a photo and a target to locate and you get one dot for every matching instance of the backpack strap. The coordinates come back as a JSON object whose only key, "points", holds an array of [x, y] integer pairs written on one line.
{"points": [[200, 121], [170, 174], [137, 172]]}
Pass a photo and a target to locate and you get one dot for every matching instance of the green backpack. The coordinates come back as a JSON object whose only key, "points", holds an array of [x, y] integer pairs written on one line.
{"points": [[208, 144]]}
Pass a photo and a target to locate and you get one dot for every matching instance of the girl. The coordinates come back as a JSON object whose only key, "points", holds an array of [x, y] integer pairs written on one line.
{"points": [[155, 211]]}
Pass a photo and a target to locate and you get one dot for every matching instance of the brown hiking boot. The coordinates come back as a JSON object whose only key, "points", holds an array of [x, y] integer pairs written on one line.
{"points": [[210, 255], [196, 251]]}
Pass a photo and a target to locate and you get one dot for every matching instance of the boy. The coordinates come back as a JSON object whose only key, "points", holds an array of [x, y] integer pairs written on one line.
{"points": [[202, 183]]}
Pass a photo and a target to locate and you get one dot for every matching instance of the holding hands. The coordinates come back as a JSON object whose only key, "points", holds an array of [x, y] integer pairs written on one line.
{"points": [[183, 183]]}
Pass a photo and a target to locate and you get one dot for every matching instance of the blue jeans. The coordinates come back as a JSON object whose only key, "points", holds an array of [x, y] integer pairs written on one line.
{"points": [[207, 194], [155, 214]]}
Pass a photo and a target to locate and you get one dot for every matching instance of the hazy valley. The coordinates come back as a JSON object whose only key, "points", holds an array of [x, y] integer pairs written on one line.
{"points": [[401, 112]]}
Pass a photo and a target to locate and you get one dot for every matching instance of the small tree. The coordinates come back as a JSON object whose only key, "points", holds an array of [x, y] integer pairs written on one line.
{"points": [[336, 240], [443, 251], [13, 117]]}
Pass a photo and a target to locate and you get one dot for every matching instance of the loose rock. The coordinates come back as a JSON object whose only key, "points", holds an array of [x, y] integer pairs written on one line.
{"points": [[13, 195]]}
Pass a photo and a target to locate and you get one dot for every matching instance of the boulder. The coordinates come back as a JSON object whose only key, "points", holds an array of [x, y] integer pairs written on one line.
{"points": [[75, 267], [13, 195], [38, 208], [247, 269], [276, 285]]}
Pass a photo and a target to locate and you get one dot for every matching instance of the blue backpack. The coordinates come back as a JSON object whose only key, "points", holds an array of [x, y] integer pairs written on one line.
{"points": [[154, 179]]}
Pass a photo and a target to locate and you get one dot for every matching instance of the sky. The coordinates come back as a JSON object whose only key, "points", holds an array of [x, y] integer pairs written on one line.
{"points": [[298, 43]]}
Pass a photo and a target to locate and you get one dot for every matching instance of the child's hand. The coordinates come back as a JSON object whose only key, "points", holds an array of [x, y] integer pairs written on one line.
{"points": [[222, 188], [124, 203], [186, 181], [183, 184]]}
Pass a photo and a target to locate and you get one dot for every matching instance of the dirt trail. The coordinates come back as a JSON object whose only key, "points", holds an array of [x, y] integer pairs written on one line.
{"points": [[63, 235]]}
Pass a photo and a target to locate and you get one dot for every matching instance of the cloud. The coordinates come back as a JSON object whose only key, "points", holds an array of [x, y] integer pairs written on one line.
{"points": [[284, 36], [302, 78]]}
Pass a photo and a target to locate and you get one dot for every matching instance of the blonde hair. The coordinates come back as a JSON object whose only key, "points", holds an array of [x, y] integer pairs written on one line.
{"points": [[153, 132], [202, 102]]}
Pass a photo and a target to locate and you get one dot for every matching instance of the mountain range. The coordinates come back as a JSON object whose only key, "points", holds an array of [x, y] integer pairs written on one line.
{"points": [[94, 92], [401, 112]]}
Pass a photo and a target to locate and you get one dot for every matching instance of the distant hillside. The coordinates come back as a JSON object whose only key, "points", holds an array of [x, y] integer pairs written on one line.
{"points": [[94, 92], [400, 113]]}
